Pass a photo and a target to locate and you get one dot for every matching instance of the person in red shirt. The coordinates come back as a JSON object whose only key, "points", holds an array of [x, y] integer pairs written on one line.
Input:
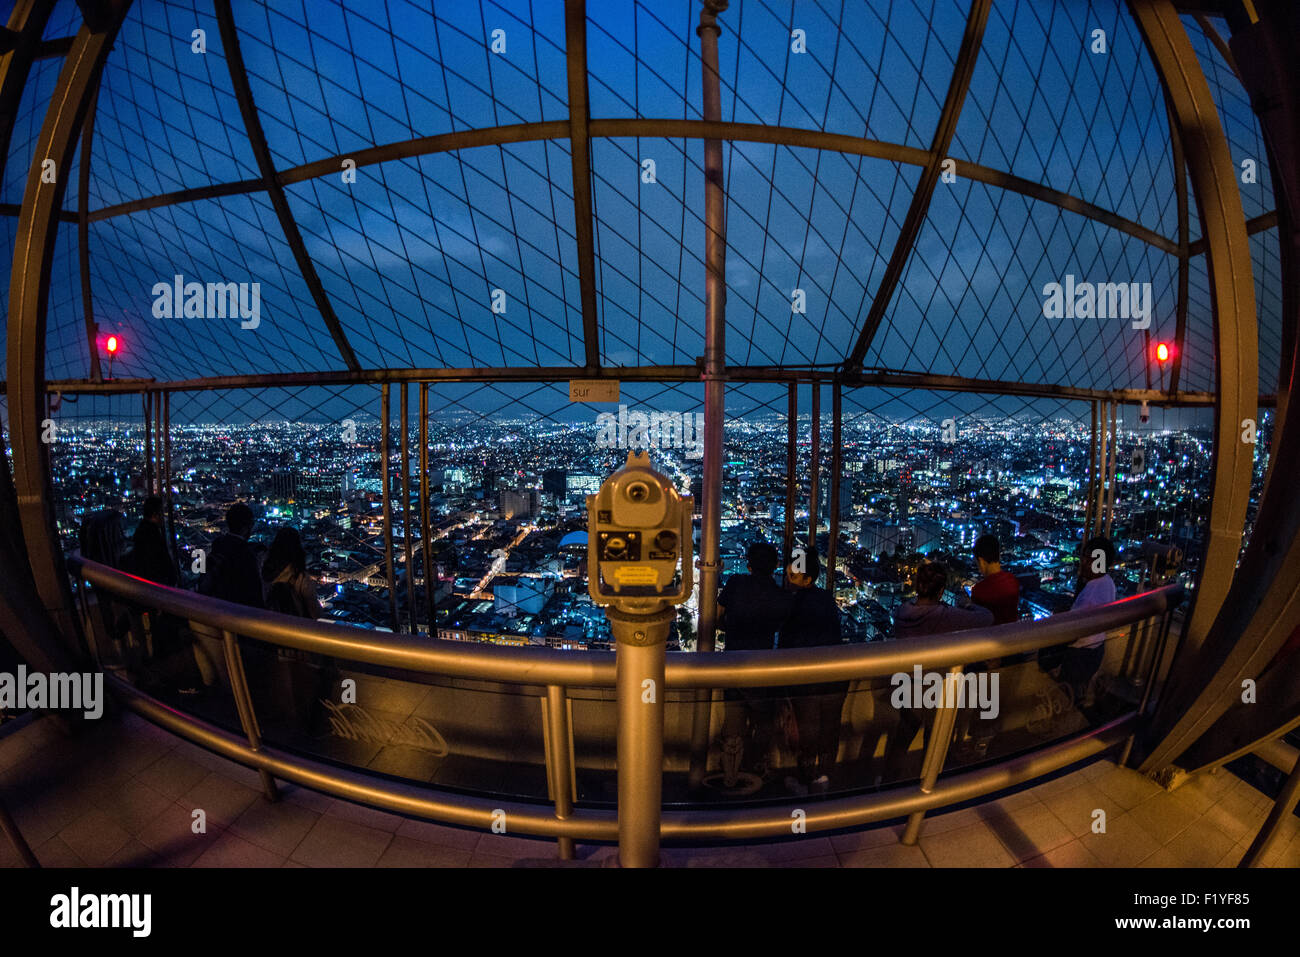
{"points": [[998, 591]]}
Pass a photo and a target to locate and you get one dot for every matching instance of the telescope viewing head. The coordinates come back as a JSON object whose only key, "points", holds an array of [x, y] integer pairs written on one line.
{"points": [[639, 531]]}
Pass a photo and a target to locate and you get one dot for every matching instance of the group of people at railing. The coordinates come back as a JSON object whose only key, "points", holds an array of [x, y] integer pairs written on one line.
{"points": [[757, 613], [235, 570]]}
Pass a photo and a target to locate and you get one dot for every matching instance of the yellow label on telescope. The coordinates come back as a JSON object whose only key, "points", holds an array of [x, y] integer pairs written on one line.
{"points": [[636, 575]]}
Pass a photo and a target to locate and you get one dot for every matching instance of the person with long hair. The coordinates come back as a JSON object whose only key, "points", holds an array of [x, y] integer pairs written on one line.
{"points": [[289, 589]]}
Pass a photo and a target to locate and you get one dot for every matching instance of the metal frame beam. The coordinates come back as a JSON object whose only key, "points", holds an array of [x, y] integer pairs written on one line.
{"points": [[262, 152], [1184, 255], [889, 380], [83, 237], [575, 31], [1212, 175], [629, 128], [1256, 224], [1261, 609], [962, 70], [27, 21], [28, 303], [27, 626]]}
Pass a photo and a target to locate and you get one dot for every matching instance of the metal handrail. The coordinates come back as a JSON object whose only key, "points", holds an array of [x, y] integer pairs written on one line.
{"points": [[559, 670], [595, 669]]}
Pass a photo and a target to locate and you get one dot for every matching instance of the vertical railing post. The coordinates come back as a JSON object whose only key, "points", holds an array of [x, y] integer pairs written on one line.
{"points": [[1110, 472], [791, 463], [814, 466], [430, 579], [244, 706], [146, 398], [837, 466], [936, 752], [1271, 830], [407, 546], [158, 442], [1149, 682], [1092, 476], [168, 499], [559, 734], [640, 653], [384, 427]]}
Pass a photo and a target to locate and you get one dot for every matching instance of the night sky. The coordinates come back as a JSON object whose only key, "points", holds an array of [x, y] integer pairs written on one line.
{"points": [[409, 254]]}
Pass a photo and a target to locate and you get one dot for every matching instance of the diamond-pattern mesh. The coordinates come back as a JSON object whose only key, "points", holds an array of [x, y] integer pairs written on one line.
{"points": [[424, 71], [972, 300], [1043, 106], [166, 118], [411, 253], [235, 239]]}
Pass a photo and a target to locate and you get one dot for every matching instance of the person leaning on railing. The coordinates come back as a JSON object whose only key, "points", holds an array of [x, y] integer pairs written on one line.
{"points": [[1082, 657], [151, 558], [926, 614], [231, 575], [999, 592], [304, 678], [814, 621], [751, 608]]}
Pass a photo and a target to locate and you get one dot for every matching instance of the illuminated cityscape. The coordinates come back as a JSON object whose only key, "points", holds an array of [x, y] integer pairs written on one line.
{"points": [[508, 510]]}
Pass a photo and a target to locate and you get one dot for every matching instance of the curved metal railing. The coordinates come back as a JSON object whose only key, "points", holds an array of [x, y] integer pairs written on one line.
{"points": [[561, 670]]}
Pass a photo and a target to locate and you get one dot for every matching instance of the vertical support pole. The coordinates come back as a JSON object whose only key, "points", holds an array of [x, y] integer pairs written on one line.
{"points": [[407, 544], [158, 442], [936, 752], [430, 579], [83, 237], [640, 652], [1092, 475], [33, 255], [1099, 502], [244, 707], [1196, 682], [791, 463], [1152, 674], [384, 428], [814, 466], [1271, 829], [560, 767], [715, 292], [147, 398], [1110, 471], [837, 466], [168, 499]]}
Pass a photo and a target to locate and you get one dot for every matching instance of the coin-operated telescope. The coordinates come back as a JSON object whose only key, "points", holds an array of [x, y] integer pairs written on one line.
{"points": [[639, 531], [639, 567], [1162, 560]]}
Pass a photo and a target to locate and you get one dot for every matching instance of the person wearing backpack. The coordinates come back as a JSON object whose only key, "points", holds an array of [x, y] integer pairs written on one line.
{"points": [[289, 589], [304, 678]]}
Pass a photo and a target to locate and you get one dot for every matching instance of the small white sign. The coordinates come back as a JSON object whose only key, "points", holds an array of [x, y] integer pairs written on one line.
{"points": [[593, 390]]}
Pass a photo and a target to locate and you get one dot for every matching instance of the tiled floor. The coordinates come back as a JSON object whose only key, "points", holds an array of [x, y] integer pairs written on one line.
{"points": [[127, 794]]}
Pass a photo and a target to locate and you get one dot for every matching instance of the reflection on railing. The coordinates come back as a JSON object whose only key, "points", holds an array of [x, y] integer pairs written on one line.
{"points": [[456, 731]]}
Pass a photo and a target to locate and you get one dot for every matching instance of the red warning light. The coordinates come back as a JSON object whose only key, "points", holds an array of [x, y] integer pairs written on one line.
{"points": [[111, 345], [1162, 352]]}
